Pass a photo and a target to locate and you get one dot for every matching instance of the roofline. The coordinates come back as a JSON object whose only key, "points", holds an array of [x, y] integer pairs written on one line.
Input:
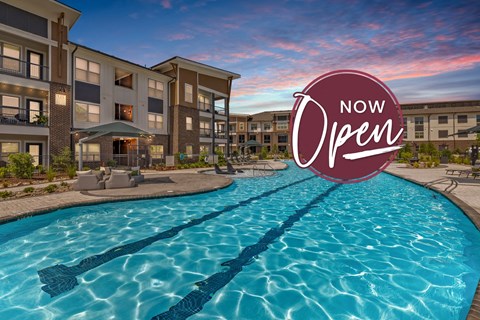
{"points": [[438, 102], [67, 6], [116, 58], [233, 74]]}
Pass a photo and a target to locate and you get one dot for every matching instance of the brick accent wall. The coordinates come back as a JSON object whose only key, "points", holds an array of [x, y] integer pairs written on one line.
{"points": [[59, 119], [180, 136]]}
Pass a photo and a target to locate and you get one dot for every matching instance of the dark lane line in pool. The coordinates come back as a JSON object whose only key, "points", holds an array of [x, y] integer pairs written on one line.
{"points": [[60, 278], [193, 302]]}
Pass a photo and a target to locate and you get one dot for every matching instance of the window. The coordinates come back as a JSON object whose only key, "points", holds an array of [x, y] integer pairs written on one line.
{"points": [[405, 128], [189, 123], [204, 128], [204, 103], [87, 71], [267, 126], [123, 78], [252, 137], [241, 138], [478, 119], [189, 150], [155, 89], [188, 93], [10, 60], [123, 112], [462, 134], [10, 106], [230, 139], [232, 128], [156, 151], [463, 118], [204, 149], [443, 133], [87, 112], [282, 138], [442, 119], [282, 118], [253, 127], [241, 126], [419, 127], [90, 152], [266, 138], [282, 126], [7, 148], [155, 121]]}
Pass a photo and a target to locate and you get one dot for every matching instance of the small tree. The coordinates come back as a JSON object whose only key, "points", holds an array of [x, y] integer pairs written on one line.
{"points": [[63, 160], [21, 165], [264, 153], [221, 157], [275, 149]]}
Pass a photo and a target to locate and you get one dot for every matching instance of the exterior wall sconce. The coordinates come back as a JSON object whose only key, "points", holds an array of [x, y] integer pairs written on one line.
{"points": [[61, 98]]}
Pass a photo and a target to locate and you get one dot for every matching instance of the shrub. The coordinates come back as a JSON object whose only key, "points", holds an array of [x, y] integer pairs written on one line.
{"points": [[135, 173], [466, 160], [63, 160], [5, 194], [286, 155], [50, 174], [71, 171], [111, 163], [406, 156], [3, 173], [264, 153], [436, 163], [64, 184], [29, 189], [416, 165], [86, 168], [5, 184], [51, 188], [428, 164], [21, 165], [203, 156], [40, 169], [221, 157]]}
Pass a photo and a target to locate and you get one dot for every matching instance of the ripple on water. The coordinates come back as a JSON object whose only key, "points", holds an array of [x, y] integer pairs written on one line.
{"points": [[357, 254]]}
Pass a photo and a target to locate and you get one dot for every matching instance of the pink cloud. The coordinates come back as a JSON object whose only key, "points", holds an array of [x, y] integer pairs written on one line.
{"points": [[373, 26], [179, 36], [444, 38], [166, 4]]}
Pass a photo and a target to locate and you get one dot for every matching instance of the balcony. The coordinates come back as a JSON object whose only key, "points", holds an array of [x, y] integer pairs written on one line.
{"points": [[23, 69], [23, 117], [205, 133]]}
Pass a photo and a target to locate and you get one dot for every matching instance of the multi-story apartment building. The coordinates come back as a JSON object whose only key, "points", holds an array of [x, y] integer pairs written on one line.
{"points": [[35, 78], [269, 129], [440, 123], [199, 105], [49, 94]]}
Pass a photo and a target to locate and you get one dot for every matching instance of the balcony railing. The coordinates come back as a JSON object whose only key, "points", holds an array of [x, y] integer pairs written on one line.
{"points": [[23, 117], [205, 106], [22, 68], [205, 132], [221, 135]]}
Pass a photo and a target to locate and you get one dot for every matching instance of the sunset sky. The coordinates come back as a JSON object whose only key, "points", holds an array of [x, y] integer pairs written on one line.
{"points": [[424, 51]]}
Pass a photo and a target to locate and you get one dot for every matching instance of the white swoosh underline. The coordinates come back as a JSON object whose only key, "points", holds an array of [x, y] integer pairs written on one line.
{"points": [[369, 153]]}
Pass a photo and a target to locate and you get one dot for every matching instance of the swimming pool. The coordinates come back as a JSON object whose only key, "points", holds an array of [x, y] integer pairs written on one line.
{"points": [[290, 246]]}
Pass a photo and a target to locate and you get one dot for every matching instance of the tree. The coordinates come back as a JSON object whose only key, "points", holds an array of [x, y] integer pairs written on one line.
{"points": [[63, 160]]}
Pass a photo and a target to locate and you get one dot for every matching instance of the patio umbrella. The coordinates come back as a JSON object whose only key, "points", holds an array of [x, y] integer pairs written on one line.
{"points": [[252, 143], [475, 129]]}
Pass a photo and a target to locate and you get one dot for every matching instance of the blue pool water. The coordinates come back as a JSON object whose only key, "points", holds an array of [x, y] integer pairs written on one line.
{"points": [[289, 246]]}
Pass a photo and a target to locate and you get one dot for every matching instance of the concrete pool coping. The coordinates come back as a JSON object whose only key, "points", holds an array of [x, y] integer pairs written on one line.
{"points": [[192, 181]]}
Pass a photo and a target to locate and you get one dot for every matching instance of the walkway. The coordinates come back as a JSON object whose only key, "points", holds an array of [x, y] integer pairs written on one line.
{"points": [[156, 184]]}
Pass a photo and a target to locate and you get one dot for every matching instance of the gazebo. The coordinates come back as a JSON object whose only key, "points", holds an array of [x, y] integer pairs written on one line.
{"points": [[109, 129]]}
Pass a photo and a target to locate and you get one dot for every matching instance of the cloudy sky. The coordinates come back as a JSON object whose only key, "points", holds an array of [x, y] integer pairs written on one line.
{"points": [[425, 51]]}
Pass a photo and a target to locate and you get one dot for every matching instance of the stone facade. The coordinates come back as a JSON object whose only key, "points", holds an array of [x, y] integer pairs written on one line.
{"points": [[60, 119], [180, 136]]}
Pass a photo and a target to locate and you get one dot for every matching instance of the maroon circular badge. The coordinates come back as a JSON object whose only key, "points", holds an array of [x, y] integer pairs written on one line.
{"points": [[346, 126]]}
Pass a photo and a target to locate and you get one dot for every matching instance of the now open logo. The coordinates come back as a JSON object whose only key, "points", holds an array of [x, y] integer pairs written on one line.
{"points": [[346, 126]]}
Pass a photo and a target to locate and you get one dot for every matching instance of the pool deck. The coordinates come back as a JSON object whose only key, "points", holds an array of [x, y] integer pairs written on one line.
{"points": [[466, 195], [157, 184]]}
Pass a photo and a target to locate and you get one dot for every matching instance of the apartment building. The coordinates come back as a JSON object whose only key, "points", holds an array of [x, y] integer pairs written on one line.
{"points": [[199, 106], [440, 123], [35, 81], [53, 90], [268, 129]]}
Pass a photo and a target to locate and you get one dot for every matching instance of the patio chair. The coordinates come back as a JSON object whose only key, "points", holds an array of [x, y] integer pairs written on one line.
{"points": [[88, 180], [119, 179], [220, 171], [231, 169]]}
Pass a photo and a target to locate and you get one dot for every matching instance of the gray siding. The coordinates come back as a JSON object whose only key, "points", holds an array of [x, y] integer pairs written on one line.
{"points": [[23, 20]]}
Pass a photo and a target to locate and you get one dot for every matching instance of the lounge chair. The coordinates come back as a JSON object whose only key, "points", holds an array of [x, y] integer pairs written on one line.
{"points": [[119, 179], [231, 169], [87, 180], [220, 171]]}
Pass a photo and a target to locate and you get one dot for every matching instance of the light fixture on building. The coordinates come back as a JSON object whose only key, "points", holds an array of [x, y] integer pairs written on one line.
{"points": [[61, 98]]}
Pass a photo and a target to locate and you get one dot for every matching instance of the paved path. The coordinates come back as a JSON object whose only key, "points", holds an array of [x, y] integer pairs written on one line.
{"points": [[164, 184]]}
